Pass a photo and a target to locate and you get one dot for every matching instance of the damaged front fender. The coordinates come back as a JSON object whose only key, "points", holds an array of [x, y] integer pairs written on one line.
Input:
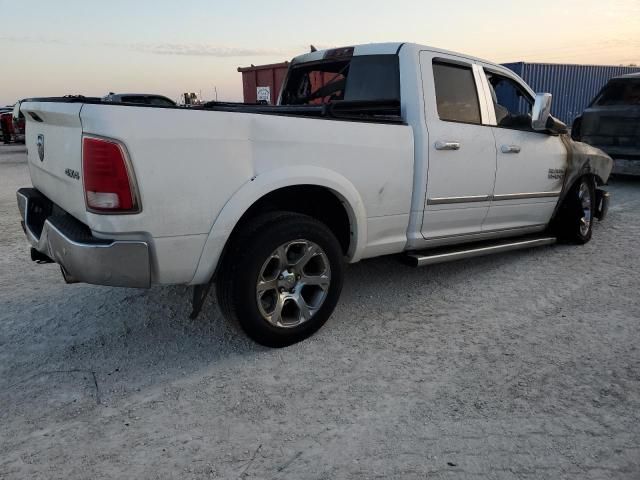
{"points": [[583, 159]]}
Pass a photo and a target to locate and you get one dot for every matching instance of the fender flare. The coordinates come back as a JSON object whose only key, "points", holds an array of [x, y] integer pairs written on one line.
{"points": [[265, 183]]}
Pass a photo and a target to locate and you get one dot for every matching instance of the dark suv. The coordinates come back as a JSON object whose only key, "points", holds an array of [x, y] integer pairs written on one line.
{"points": [[612, 123]]}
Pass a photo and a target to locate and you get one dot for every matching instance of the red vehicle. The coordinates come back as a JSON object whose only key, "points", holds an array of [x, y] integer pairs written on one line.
{"points": [[13, 125]]}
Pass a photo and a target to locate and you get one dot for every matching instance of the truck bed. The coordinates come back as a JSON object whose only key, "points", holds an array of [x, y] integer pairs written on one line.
{"points": [[382, 111]]}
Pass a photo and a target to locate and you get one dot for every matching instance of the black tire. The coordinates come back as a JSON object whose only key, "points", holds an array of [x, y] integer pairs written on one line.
{"points": [[571, 221], [244, 263]]}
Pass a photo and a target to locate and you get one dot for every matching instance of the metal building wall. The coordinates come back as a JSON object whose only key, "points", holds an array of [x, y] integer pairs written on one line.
{"points": [[573, 86]]}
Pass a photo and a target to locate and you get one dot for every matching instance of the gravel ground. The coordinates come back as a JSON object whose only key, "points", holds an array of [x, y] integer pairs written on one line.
{"points": [[525, 365]]}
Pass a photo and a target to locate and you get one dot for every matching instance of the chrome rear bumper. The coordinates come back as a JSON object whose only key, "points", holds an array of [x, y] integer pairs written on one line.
{"points": [[83, 257]]}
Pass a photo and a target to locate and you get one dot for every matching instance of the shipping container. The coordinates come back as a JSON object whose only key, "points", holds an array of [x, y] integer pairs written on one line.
{"points": [[262, 83], [572, 86]]}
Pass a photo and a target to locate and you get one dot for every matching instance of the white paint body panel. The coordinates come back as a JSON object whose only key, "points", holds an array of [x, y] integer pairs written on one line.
{"points": [[199, 171]]}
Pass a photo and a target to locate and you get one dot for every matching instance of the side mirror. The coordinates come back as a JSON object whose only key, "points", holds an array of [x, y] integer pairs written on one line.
{"points": [[541, 111]]}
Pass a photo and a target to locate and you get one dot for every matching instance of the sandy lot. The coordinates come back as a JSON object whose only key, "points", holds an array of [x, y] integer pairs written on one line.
{"points": [[525, 365]]}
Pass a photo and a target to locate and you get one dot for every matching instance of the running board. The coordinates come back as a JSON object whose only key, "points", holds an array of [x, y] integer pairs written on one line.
{"points": [[461, 252]]}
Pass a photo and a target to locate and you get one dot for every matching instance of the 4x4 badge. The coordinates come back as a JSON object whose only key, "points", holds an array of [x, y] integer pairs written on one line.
{"points": [[41, 147]]}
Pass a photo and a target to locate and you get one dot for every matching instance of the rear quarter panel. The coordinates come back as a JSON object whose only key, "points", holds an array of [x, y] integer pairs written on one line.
{"points": [[190, 164]]}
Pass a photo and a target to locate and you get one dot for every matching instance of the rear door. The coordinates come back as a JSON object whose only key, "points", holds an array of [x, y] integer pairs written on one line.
{"points": [[530, 164], [462, 152]]}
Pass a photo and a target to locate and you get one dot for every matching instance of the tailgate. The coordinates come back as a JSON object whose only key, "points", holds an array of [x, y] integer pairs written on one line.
{"points": [[54, 144]]}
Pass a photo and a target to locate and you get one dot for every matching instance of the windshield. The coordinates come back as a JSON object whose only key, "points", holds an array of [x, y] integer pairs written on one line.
{"points": [[620, 92], [360, 78]]}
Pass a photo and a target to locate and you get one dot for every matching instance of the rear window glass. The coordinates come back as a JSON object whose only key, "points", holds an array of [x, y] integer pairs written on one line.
{"points": [[360, 78], [620, 92], [456, 94]]}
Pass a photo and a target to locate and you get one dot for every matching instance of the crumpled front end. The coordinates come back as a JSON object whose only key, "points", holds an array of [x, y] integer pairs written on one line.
{"points": [[583, 159]]}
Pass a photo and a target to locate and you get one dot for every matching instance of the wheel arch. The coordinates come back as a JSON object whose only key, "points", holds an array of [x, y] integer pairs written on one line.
{"points": [[264, 187]]}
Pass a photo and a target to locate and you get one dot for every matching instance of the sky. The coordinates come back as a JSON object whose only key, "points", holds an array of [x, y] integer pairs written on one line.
{"points": [[92, 47]]}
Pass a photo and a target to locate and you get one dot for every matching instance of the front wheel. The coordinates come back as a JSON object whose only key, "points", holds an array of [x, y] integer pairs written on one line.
{"points": [[574, 223], [282, 278]]}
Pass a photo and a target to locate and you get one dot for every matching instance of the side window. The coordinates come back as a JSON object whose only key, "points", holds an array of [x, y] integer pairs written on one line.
{"points": [[456, 93], [512, 104]]}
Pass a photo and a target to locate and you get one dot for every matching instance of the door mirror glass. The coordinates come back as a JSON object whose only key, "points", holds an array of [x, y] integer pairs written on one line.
{"points": [[541, 112]]}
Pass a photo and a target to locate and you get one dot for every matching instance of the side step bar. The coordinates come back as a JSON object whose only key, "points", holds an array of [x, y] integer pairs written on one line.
{"points": [[442, 255]]}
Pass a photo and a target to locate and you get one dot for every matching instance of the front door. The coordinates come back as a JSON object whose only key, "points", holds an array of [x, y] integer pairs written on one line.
{"points": [[462, 152], [531, 165]]}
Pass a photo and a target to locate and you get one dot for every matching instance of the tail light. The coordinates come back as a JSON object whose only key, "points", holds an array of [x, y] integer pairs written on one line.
{"points": [[109, 184]]}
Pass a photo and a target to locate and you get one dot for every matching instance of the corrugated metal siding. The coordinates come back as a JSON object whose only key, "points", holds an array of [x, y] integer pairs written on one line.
{"points": [[573, 86]]}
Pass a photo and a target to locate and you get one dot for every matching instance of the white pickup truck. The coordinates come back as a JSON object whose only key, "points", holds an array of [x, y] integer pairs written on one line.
{"points": [[373, 150]]}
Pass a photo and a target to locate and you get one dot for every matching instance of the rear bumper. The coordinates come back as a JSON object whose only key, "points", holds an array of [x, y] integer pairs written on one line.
{"points": [[83, 257]]}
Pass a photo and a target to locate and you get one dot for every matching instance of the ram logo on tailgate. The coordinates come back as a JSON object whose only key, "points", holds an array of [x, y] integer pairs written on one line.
{"points": [[40, 144]]}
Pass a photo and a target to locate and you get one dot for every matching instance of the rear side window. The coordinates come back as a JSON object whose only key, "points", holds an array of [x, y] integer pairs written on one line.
{"points": [[620, 92], [456, 93], [359, 78]]}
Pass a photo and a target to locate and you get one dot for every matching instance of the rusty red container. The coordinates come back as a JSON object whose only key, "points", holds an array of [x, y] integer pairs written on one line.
{"points": [[262, 79], [257, 80]]}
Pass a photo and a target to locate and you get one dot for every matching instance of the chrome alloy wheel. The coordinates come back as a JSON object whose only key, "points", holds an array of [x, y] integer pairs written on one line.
{"points": [[584, 195], [293, 283]]}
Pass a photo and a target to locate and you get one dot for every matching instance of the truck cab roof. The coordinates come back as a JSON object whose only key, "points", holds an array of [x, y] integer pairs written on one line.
{"points": [[388, 48]]}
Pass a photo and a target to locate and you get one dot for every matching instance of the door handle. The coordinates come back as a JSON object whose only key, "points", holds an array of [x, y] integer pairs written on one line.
{"points": [[440, 145], [511, 149]]}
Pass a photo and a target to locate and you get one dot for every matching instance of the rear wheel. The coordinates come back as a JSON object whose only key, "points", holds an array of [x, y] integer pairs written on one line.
{"points": [[282, 278], [574, 223]]}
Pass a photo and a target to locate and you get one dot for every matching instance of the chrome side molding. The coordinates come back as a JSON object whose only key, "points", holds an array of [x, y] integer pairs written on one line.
{"points": [[447, 200], [522, 196], [492, 198]]}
